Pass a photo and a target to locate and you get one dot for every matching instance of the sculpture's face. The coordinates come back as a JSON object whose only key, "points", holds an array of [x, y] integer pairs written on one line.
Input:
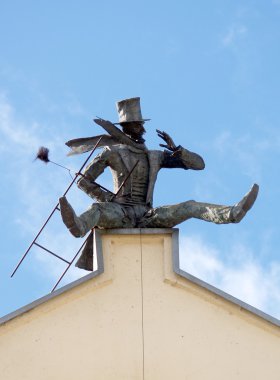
{"points": [[134, 129]]}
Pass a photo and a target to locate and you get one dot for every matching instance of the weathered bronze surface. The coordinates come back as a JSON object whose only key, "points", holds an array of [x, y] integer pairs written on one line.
{"points": [[129, 159]]}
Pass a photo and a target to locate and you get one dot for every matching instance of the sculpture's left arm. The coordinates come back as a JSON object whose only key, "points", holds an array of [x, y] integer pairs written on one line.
{"points": [[179, 157]]}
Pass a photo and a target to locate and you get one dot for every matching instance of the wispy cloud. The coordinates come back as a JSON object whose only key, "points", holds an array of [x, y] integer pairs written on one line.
{"points": [[233, 34], [36, 183], [249, 150], [36, 188], [243, 277], [13, 133]]}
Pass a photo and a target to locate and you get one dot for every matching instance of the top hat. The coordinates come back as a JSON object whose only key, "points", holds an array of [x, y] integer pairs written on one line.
{"points": [[129, 110]]}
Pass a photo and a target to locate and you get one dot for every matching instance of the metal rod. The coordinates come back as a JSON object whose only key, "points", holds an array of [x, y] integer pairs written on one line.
{"points": [[102, 187], [63, 274], [28, 249], [52, 253], [64, 167], [84, 164], [55, 208]]}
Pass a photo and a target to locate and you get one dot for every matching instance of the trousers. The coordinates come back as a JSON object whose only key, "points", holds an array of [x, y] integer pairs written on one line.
{"points": [[116, 215]]}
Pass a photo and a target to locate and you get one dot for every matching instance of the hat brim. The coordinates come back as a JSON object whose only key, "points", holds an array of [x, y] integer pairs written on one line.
{"points": [[132, 121]]}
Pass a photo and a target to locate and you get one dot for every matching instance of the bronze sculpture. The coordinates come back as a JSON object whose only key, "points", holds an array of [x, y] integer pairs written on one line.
{"points": [[127, 156]]}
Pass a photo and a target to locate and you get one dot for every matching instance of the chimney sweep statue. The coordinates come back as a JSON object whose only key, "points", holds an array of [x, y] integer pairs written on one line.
{"points": [[134, 169]]}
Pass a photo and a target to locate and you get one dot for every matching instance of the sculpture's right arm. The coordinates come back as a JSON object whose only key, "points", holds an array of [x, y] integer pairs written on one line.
{"points": [[92, 171], [177, 156], [182, 158]]}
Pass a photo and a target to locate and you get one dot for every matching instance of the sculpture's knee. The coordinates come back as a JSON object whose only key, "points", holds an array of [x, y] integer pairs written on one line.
{"points": [[91, 217]]}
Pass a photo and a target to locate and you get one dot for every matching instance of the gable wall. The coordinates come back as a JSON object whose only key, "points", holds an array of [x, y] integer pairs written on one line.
{"points": [[138, 317]]}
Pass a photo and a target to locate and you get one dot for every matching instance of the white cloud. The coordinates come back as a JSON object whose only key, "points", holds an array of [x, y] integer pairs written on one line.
{"points": [[37, 184], [250, 151], [36, 188], [234, 33], [243, 277], [200, 259], [15, 135], [20, 136]]}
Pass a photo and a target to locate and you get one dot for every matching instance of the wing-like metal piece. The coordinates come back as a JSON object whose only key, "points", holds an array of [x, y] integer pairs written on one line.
{"points": [[85, 144], [118, 134], [115, 136]]}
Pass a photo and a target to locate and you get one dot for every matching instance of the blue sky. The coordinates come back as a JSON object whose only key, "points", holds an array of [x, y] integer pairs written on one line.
{"points": [[207, 73]]}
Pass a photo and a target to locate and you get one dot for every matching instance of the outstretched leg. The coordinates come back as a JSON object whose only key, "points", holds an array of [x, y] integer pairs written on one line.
{"points": [[170, 216], [103, 215]]}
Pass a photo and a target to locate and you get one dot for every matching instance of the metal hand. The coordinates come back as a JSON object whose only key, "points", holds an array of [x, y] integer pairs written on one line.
{"points": [[170, 145]]}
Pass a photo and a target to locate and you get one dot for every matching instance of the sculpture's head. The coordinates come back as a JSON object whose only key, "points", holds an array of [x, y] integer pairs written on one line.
{"points": [[134, 129], [130, 118]]}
